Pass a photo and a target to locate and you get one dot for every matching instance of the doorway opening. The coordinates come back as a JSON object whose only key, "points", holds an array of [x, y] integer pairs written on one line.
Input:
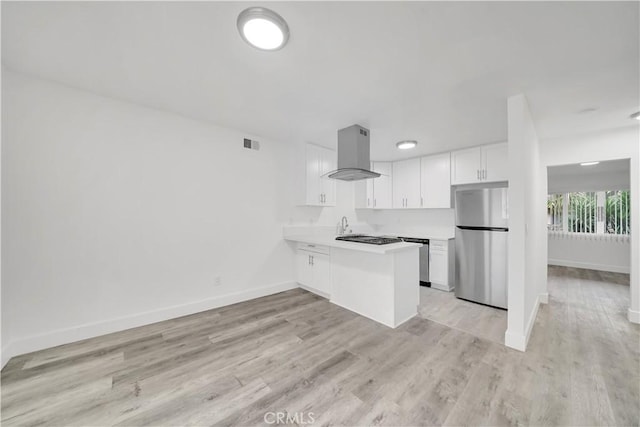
{"points": [[589, 237]]}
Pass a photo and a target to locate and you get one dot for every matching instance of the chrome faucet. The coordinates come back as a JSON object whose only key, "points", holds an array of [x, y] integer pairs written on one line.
{"points": [[344, 223]]}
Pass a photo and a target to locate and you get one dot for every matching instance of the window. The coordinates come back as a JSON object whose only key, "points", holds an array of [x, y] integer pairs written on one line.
{"points": [[582, 212], [617, 212], [554, 212], [596, 212]]}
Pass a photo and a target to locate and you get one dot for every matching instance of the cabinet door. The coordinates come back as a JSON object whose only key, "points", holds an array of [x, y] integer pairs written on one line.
{"points": [[465, 166], [328, 164], [435, 181], [370, 185], [313, 168], [495, 161], [406, 184], [304, 273], [321, 266], [382, 186], [438, 267]]}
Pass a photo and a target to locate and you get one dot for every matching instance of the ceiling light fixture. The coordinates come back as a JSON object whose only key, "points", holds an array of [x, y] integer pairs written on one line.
{"points": [[635, 116], [406, 144], [262, 28], [589, 163]]}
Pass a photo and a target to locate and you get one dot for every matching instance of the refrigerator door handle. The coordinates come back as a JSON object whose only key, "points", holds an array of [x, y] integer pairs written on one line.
{"points": [[472, 227]]}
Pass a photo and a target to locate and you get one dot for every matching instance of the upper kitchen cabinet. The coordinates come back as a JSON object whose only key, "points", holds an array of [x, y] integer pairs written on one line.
{"points": [[496, 161], [406, 184], [379, 190], [320, 190], [376, 193], [435, 181], [487, 163]]}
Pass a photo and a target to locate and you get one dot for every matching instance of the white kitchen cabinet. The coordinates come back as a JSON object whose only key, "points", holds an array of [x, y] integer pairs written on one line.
{"points": [[406, 184], [313, 268], [320, 190], [487, 163], [441, 264], [379, 190], [496, 162], [465, 166], [435, 181]]}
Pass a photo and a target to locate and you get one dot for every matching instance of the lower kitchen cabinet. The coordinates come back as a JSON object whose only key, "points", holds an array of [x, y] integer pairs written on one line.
{"points": [[441, 264], [313, 269]]}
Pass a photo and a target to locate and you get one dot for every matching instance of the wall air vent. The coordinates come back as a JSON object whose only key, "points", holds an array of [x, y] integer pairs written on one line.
{"points": [[251, 145]]}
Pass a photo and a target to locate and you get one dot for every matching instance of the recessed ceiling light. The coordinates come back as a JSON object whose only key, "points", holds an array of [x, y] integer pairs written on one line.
{"points": [[635, 116], [407, 144], [588, 110], [263, 28], [589, 163]]}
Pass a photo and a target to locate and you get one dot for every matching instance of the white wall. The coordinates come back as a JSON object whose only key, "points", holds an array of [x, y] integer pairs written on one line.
{"points": [[4, 333], [526, 271], [414, 222], [116, 215], [604, 181], [599, 252], [613, 144]]}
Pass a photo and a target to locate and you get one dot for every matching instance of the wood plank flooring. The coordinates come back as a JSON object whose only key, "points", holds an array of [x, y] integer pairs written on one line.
{"points": [[477, 319], [298, 354]]}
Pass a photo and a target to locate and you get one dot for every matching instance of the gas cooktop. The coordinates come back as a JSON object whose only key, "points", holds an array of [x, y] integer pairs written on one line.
{"points": [[372, 240]]}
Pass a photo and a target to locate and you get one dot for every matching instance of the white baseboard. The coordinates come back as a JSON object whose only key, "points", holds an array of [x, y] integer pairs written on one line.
{"points": [[441, 287], [314, 291], [515, 341], [388, 324], [519, 341], [633, 316], [90, 330], [405, 320], [544, 298], [590, 266], [6, 354]]}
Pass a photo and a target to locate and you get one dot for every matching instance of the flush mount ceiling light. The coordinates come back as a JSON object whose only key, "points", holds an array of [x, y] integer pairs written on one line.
{"points": [[406, 144], [263, 28], [635, 116], [589, 163]]}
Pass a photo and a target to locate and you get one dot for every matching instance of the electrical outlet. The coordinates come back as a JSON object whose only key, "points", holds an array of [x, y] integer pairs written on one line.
{"points": [[217, 281]]}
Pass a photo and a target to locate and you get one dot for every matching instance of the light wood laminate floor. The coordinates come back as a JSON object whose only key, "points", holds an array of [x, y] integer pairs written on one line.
{"points": [[477, 319], [298, 353]]}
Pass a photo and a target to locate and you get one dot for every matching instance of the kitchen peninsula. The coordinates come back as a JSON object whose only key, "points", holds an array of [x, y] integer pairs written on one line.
{"points": [[376, 281]]}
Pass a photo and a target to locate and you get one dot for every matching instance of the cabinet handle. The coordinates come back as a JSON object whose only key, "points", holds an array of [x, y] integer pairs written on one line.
{"points": [[368, 204], [421, 203], [484, 173], [311, 259], [478, 174], [374, 203]]}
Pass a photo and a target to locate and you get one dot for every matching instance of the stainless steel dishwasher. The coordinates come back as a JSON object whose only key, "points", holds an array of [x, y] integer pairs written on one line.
{"points": [[424, 258]]}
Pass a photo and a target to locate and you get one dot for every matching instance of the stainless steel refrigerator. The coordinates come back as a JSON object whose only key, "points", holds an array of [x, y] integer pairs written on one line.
{"points": [[482, 227]]}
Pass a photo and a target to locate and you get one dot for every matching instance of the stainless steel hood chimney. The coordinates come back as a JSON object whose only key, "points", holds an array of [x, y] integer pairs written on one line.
{"points": [[353, 155]]}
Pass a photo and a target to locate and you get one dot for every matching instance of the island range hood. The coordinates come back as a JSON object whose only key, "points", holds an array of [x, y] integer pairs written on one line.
{"points": [[353, 155]]}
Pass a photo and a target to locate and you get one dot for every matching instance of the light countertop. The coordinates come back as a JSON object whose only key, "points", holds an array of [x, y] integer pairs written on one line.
{"points": [[422, 235], [330, 241]]}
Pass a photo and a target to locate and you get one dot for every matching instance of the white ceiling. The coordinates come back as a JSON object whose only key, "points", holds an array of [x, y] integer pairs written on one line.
{"points": [[622, 166], [436, 72], [605, 176]]}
